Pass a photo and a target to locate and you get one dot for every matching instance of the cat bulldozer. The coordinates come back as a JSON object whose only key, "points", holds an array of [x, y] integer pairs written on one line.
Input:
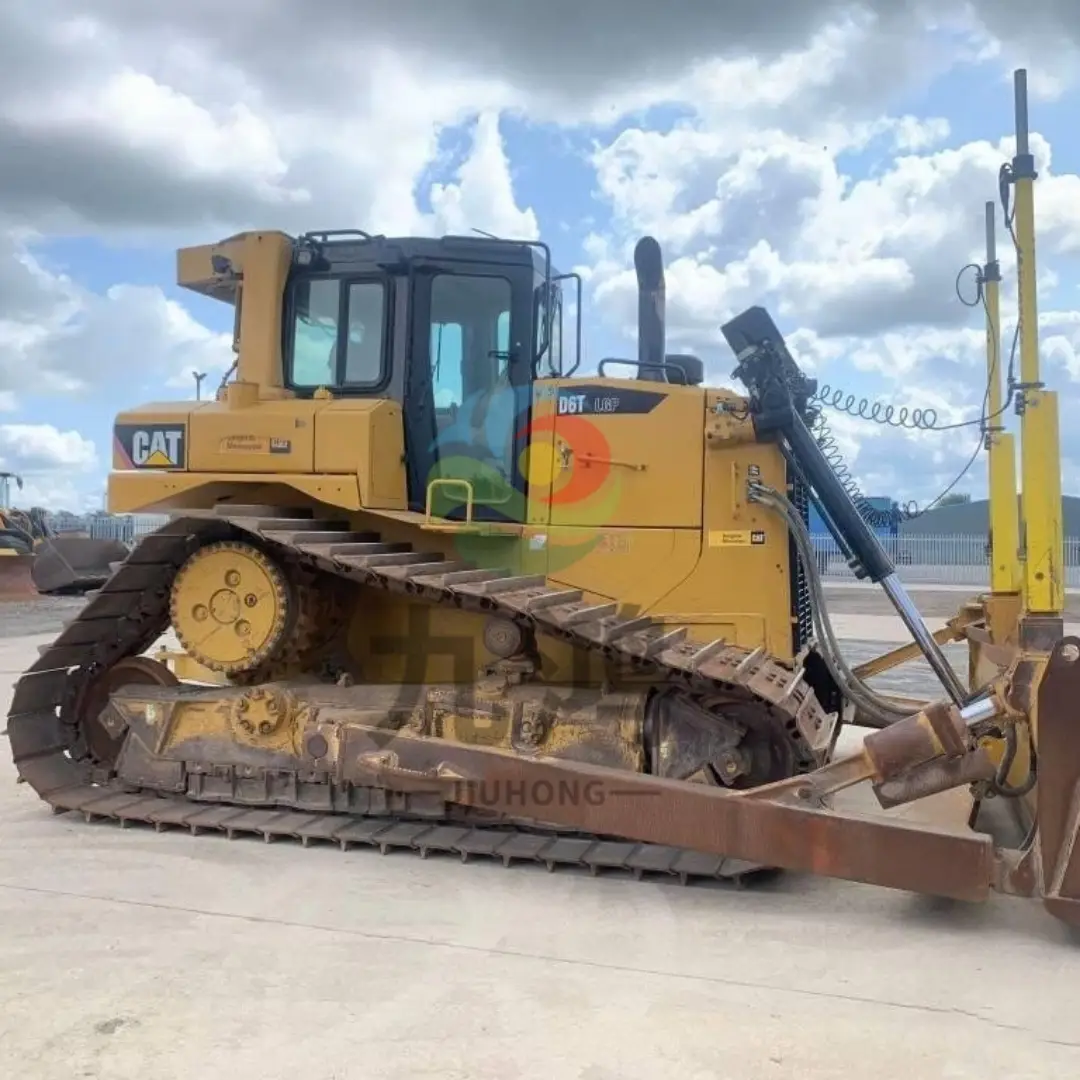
{"points": [[457, 598]]}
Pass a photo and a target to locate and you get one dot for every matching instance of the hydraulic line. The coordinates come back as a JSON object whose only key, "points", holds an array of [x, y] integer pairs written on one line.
{"points": [[877, 709]]}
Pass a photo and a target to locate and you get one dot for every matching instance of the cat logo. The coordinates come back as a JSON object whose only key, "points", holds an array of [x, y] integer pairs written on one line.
{"points": [[149, 446]]}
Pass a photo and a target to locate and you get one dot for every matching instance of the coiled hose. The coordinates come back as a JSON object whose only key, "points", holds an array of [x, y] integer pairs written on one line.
{"points": [[874, 517]]}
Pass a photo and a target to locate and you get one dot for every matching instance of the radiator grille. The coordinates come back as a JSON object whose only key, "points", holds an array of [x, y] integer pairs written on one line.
{"points": [[802, 624]]}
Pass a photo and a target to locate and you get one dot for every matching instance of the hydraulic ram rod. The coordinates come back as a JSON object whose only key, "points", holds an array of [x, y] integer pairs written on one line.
{"points": [[774, 381]]}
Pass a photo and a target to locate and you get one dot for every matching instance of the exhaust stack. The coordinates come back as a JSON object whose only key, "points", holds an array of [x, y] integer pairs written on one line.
{"points": [[649, 263]]}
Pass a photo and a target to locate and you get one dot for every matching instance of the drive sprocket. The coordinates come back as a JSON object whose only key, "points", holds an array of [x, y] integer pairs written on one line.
{"points": [[232, 606]]}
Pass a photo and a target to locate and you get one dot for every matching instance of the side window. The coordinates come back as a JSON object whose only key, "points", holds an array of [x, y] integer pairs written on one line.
{"points": [[367, 322], [548, 343], [316, 307], [502, 333], [446, 364], [556, 358], [321, 328], [470, 337]]}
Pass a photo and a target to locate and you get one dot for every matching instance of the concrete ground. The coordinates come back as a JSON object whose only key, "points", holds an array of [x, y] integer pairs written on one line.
{"points": [[125, 953]]}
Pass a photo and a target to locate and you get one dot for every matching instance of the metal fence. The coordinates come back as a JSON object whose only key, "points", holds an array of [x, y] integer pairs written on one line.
{"points": [[125, 527], [939, 560]]}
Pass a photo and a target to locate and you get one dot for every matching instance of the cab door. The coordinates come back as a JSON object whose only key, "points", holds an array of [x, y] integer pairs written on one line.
{"points": [[468, 389]]}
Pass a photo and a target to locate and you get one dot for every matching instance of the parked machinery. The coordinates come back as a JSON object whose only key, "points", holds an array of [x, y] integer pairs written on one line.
{"points": [[16, 544], [461, 601], [39, 561]]}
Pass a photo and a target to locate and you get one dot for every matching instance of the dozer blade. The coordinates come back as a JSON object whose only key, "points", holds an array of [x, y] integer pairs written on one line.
{"points": [[16, 580], [73, 564]]}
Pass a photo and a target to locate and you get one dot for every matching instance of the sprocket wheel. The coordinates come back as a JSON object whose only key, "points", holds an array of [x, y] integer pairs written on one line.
{"points": [[232, 607]]}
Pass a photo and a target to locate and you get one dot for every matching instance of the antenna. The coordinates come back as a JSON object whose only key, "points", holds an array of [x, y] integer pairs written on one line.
{"points": [[198, 376]]}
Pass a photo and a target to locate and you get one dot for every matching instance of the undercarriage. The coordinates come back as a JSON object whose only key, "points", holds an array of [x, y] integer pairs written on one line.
{"points": [[295, 746]]}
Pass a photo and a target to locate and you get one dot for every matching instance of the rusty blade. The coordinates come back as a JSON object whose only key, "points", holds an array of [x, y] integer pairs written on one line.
{"points": [[1059, 782]]}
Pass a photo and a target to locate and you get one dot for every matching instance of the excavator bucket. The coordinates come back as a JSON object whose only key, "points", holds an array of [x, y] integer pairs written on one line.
{"points": [[74, 564], [16, 580]]}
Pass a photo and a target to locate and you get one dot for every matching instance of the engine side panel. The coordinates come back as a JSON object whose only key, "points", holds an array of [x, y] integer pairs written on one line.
{"points": [[627, 454]]}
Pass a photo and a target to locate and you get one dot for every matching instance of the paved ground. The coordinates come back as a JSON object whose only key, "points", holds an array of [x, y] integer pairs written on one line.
{"points": [[126, 953]]}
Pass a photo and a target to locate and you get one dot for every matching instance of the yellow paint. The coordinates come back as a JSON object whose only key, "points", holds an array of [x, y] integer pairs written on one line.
{"points": [[186, 668], [540, 464], [666, 530], [275, 436], [364, 436], [228, 606], [745, 585], [1005, 572], [262, 259], [149, 492], [730, 538], [542, 449], [1044, 587], [636, 566], [397, 641], [651, 465]]}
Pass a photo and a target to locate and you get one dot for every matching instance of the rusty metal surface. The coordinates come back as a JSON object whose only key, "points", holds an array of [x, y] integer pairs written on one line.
{"points": [[934, 777], [1058, 841], [780, 830], [936, 730], [16, 577], [74, 563]]}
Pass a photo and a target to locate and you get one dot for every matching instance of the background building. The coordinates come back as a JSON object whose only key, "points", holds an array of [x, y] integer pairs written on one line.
{"points": [[973, 519], [885, 526]]}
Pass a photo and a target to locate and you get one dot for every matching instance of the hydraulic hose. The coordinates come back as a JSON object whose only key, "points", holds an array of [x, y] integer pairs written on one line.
{"points": [[878, 710]]}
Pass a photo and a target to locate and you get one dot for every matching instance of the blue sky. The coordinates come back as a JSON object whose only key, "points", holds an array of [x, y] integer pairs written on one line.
{"points": [[853, 244]]}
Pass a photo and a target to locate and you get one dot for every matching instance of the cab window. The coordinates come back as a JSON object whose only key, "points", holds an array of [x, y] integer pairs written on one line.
{"points": [[339, 334], [547, 348], [474, 398], [470, 337]]}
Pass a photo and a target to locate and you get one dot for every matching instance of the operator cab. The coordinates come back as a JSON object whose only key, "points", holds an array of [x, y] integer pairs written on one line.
{"points": [[457, 329]]}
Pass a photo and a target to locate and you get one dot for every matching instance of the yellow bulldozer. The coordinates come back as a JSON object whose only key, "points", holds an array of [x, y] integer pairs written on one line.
{"points": [[35, 561], [455, 598]]}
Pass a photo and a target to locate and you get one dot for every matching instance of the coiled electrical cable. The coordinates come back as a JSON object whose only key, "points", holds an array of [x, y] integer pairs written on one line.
{"points": [[875, 517], [877, 412], [913, 420]]}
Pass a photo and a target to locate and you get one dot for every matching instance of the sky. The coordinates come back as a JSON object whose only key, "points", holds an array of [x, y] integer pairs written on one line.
{"points": [[825, 158]]}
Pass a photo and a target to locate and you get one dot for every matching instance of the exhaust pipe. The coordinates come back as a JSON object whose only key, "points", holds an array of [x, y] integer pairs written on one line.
{"points": [[649, 264]]}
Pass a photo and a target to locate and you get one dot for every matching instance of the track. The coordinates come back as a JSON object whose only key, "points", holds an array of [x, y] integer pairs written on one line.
{"points": [[50, 701]]}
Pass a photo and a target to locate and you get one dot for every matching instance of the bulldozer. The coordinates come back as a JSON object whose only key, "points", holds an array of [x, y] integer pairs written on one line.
{"points": [[456, 598], [37, 561]]}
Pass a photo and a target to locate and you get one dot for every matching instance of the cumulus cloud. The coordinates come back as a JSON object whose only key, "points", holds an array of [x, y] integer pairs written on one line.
{"points": [[54, 465], [482, 196], [730, 132], [67, 339]]}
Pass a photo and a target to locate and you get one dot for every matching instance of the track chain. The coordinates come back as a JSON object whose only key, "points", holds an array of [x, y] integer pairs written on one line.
{"points": [[131, 611]]}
